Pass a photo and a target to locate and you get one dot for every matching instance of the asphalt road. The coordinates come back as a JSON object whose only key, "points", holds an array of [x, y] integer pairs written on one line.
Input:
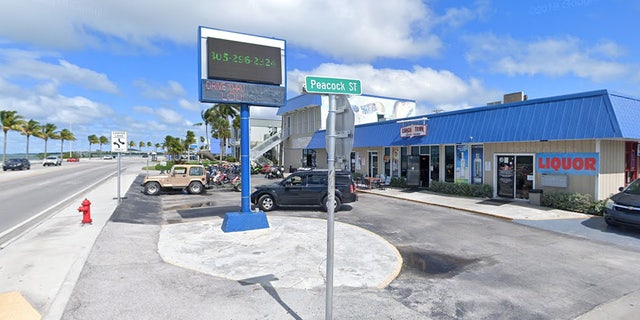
{"points": [[457, 265], [30, 195]]}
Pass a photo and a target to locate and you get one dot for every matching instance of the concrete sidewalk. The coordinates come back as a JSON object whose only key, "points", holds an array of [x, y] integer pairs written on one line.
{"points": [[44, 263], [171, 261]]}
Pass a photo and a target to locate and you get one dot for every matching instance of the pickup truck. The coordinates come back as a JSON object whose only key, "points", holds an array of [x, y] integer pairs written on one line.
{"points": [[192, 178]]}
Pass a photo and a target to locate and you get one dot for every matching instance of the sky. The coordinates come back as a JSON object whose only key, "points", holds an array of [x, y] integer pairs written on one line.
{"points": [[94, 67]]}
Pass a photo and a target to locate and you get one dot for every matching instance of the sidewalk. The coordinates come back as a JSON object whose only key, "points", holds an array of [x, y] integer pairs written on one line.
{"points": [[45, 264]]}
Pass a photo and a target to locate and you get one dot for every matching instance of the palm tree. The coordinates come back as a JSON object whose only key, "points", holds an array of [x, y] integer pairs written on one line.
{"points": [[102, 140], [28, 129], [223, 111], [206, 116], [220, 130], [11, 120], [48, 131], [93, 139], [131, 145], [65, 134]]}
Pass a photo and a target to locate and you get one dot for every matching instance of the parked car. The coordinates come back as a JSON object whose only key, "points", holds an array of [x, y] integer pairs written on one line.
{"points": [[624, 208], [305, 188], [192, 178], [52, 161], [16, 164]]}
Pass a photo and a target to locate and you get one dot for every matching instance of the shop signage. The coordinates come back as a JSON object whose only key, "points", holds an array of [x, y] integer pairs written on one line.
{"points": [[568, 163], [416, 130]]}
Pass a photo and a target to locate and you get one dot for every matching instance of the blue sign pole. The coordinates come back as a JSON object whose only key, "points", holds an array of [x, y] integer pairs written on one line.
{"points": [[244, 156], [245, 219]]}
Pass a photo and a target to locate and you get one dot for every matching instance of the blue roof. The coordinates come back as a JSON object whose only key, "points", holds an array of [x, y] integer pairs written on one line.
{"points": [[588, 115], [300, 101]]}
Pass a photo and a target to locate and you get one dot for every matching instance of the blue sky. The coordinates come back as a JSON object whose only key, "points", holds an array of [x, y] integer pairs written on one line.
{"points": [[99, 66]]}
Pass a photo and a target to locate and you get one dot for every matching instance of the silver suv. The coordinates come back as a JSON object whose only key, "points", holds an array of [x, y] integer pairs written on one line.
{"points": [[52, 161]]}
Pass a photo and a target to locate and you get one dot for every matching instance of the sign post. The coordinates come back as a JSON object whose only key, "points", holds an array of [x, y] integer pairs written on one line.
{"points": [[237, 68], [333, 87], [118, 144]]}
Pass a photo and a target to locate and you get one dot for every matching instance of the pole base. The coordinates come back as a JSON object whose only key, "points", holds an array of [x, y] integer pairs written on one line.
{"points": [[243, 221]]}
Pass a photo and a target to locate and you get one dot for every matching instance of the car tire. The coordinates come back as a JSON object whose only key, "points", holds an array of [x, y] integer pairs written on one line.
{"points": [[195, 187], [266, 203], [337, 206], [152, 188], [610, 222]]}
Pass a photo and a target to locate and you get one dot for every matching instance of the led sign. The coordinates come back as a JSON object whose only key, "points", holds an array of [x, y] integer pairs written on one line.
{"points": [[240, 61]]}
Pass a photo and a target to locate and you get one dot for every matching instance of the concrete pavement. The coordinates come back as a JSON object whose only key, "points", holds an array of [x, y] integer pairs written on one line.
{"points": [[45, 264]]}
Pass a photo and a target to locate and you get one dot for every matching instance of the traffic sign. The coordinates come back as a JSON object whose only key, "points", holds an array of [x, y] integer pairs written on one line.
{"points": [[332, 85], [118, 141]]}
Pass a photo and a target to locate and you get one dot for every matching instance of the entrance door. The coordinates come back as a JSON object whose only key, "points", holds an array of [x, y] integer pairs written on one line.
{"points": [[513, 176], [413, 171], [505, 169], [425, 165], [373, 163]]}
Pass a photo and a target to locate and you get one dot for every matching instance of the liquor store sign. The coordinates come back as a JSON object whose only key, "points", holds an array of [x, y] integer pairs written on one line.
{"points": [[568, 163]]}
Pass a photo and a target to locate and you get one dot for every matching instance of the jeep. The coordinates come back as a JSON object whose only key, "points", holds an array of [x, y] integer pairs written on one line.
{"points": [[305, 188], [193, 178]]}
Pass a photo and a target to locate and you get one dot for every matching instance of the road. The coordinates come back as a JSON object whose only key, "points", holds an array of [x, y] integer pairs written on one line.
{"points": [[31, 195]]}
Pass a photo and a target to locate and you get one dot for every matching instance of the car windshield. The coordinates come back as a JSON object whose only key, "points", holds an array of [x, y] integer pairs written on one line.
{"points": [[633, 188]]}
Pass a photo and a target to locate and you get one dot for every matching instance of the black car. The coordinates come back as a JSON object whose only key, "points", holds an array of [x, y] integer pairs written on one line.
{"points": [[16, 164], [305, 188], [624, 208]]}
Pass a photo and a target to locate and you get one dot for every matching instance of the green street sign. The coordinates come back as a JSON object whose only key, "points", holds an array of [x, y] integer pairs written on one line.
{"points": [[332, 85]]}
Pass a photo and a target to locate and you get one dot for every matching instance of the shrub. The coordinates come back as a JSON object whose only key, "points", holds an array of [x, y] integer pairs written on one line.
{"points": [[398, 182], [462, 189], [573, 201]]}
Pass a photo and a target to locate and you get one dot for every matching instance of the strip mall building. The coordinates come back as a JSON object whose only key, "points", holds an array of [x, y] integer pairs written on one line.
{"points": [[584, 142]]}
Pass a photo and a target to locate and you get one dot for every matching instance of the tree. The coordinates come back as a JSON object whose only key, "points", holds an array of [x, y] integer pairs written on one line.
{"points": [[103, 140], [131, 145], [141, 144], [65, 134], [11, 120], [28, 129], [48, 131], [158, 145], [93, 139], [174, 146], [223, 111]]}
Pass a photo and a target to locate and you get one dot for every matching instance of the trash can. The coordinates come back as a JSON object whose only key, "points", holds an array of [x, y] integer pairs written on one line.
{"points": [[535, 197]]}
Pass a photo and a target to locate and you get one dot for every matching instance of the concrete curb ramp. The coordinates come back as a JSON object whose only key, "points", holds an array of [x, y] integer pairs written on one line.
{"points": [[291, 253]]}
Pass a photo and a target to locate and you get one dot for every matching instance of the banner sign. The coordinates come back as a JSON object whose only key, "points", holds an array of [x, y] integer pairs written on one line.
{"points": [[416, 130], [568, 163]]}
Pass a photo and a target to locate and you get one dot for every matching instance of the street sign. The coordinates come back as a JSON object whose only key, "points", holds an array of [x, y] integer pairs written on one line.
{"points": [[118, 141], [332, 85]]}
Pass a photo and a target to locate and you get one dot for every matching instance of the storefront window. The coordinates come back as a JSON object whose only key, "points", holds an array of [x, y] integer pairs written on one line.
{"points": [[404, 163], [435, 163], [387, 161], [449, 163], [415, 151]]}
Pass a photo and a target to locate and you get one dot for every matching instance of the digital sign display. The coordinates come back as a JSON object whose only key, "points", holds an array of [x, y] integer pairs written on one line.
{"points": [[240, 61]]}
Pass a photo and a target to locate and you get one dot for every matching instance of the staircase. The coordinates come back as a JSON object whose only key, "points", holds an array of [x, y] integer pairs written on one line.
{"points": [[257, 151]]}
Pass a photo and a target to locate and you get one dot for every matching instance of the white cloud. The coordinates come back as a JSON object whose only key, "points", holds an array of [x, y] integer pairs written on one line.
{"points": [[552, 57], [189, 105], [169, 91], [431, 89], [334, 27], [16, 63], [169, 116]]}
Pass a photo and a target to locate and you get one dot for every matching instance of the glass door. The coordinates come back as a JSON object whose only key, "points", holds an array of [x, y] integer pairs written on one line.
{"points": [[524, 176], [505, 169], [373, 163]]}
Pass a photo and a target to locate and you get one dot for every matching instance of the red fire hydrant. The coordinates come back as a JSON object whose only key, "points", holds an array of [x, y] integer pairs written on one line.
{"points": [[85, 208]]}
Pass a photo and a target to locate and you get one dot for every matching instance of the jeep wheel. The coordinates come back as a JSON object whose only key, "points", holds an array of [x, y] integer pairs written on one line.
{"points": [[152, 188], [195, 187], [266, 203], [337, 204]]}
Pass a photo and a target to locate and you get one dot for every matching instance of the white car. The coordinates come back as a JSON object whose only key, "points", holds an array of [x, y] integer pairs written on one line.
{"points": [[52, 161]]}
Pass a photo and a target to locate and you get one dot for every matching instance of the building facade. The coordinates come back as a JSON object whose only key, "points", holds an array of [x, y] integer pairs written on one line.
{"points": [[584, 142]]}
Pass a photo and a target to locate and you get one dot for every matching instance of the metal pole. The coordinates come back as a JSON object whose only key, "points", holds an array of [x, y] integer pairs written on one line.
{"points": [[244, 158], [119, 200], [331, 190]]}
